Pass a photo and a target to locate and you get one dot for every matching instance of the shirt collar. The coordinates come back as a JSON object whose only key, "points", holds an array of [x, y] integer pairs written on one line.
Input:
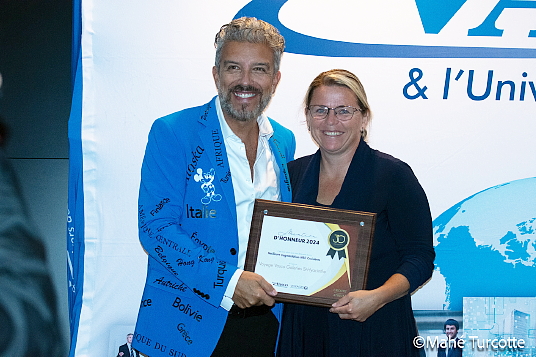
{"points": [[265, 127]]}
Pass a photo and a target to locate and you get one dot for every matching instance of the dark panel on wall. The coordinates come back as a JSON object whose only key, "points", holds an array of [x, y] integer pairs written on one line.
{"points": [[35, 100], [35, 55]]}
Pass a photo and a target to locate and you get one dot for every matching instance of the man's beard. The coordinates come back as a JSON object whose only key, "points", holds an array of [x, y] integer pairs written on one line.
{"points": [[243, 114]]}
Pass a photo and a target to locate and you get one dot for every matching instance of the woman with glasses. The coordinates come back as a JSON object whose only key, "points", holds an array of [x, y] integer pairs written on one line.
{"points": [[346, 173]]}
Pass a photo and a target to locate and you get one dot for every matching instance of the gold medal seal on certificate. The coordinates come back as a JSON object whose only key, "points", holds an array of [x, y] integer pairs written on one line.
{"points": [[311, 255], [338, 241]]}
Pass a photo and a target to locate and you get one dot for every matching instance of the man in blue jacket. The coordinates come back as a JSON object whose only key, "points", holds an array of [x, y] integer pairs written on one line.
{"points": [[202, 170]]}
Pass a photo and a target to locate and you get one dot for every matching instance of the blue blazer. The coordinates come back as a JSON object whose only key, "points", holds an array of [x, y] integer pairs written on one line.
{"points": [[188, 226]]}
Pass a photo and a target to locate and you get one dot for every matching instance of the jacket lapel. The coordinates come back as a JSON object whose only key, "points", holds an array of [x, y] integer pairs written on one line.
{"points": [[212, 140], [355, 191], [284, 178]]}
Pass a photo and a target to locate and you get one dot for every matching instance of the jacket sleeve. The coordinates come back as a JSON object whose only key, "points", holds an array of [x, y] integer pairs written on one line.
{"points": [[161, 209], [411, 224]]}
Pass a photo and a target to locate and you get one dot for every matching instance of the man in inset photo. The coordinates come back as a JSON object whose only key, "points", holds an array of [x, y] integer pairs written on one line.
{"points": [[453, 349], [126, 350]]}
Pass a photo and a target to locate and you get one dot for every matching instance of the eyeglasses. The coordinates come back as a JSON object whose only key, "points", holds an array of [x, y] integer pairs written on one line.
{"points": [[343, 113]]}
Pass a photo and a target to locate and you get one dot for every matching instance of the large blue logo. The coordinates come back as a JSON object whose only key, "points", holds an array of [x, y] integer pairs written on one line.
{"points": [[435, 14]]}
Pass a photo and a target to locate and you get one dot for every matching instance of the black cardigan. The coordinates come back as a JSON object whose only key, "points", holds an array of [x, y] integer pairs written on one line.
{"points": [[379, 183]]}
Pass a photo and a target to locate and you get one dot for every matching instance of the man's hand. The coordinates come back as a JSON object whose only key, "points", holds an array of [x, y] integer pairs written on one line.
{"points": [[253, 290]]}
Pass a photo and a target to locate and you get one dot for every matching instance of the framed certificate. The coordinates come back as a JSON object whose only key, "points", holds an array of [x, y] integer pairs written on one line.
{"points": [[311, 255]]}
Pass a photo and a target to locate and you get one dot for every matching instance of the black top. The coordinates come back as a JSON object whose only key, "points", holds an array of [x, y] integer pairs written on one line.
{"points": [[379, 183], [453, 350]]}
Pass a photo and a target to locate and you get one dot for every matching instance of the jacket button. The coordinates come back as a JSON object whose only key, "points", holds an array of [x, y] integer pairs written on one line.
{"points": [[233, 251]]}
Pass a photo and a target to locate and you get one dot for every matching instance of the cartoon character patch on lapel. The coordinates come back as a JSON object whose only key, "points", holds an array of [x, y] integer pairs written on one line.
{"points": [[207, 186]]}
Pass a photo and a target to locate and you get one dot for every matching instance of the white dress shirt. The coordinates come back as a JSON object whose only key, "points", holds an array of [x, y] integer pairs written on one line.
{"points": [[265, 185]]}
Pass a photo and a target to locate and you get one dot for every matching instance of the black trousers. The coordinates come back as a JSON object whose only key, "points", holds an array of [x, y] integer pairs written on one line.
{"points": [[248, 336]]}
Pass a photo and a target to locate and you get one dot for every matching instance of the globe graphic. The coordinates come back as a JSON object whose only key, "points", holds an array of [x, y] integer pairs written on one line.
{"points": [[486, 245]]}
